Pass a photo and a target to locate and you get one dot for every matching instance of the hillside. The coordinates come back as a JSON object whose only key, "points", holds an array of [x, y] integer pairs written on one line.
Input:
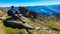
{"points": [[47, 25]]}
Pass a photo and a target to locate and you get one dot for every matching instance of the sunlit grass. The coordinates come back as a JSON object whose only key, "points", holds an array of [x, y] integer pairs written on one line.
{"points": [[53, 25], [15, 31], [2, 28]]}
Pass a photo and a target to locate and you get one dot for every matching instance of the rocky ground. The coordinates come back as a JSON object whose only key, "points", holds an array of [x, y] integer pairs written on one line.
{"points": [[47, 25]]}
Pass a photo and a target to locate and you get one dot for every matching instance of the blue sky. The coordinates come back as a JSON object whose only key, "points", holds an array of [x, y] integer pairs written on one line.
{"points": [[7, 3]]}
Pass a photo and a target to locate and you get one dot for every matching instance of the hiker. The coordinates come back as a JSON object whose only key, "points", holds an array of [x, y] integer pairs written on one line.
{"points": [[18, 13], [11, 12], [23, 10], [19, 16]]}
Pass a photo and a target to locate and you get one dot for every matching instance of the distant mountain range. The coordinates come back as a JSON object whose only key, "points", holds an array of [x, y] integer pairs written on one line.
{"points": [[43, 10]]}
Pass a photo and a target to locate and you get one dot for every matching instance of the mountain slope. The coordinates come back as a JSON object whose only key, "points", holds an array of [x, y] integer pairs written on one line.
{"points": [[44, 23]]}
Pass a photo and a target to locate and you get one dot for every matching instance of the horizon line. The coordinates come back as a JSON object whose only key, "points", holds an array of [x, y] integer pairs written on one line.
{"points": [[29, 5]]}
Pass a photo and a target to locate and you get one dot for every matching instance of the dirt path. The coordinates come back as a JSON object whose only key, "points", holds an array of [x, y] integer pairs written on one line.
{"points": [[2, 29]]}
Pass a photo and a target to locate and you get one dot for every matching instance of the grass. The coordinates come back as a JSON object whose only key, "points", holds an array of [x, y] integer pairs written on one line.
{"points": [[15, 31], [54, 26]]}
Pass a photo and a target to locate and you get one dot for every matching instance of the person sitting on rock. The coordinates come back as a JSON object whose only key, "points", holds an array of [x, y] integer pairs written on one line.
{"points": [[19, 16], [23, 10], [18, 13], [11, 12]]}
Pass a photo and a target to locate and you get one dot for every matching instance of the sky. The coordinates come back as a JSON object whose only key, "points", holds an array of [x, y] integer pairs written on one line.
{"points": [[8, 3]]}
